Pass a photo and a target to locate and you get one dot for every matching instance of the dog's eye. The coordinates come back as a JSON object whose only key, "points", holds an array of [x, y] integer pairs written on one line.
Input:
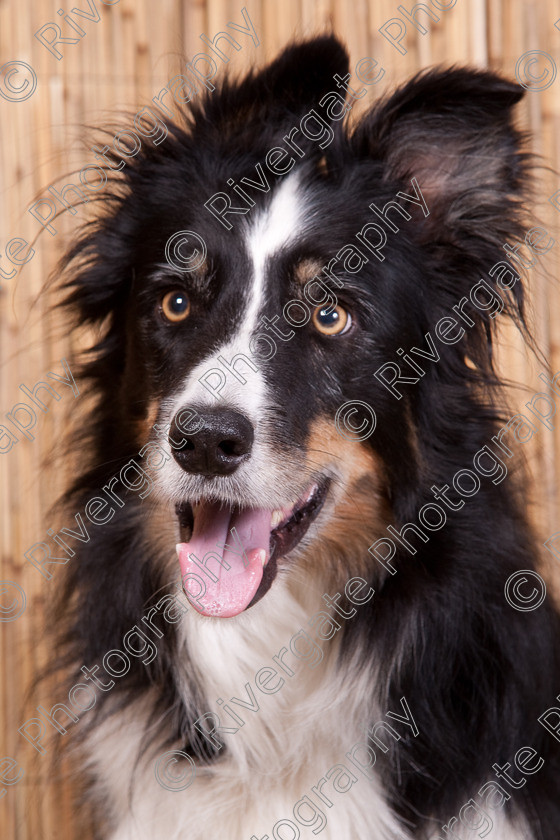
{"points": [[175, 306], [329, 321]]}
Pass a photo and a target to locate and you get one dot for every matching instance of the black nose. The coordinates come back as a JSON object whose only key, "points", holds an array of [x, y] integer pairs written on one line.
{"points": [[224, 439]]}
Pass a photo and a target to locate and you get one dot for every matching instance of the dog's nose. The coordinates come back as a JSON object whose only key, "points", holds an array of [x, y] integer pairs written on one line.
{"points": [[224, 439]]}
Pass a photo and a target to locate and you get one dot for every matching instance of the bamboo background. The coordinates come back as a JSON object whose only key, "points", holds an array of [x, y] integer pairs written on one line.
{"points": [[119, 65]]}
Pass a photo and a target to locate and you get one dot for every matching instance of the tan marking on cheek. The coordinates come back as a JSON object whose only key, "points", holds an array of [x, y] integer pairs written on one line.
{"points": [[145, 425], [161, 530], [325, 446], [361, 510]]}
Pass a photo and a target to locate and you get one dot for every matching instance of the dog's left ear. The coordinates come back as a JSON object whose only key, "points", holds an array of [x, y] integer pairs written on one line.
{"points": [[453, 131]]}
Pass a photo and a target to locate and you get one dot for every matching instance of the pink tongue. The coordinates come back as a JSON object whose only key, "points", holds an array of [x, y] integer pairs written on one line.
{"points": [[222, 580]]}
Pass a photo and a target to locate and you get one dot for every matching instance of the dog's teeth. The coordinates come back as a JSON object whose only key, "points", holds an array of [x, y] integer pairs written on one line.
{"points": [[277, 517], [311, 493]]}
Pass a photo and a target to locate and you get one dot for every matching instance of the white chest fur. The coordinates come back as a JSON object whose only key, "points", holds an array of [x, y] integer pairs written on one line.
{"points": [[293, 765]]}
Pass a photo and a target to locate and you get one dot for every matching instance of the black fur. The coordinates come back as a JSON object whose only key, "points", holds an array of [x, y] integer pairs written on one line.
{"points": [[477, 673]]}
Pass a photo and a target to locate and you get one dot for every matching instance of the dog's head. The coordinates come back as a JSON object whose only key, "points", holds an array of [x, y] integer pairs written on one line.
{"points": [[256, 272]]}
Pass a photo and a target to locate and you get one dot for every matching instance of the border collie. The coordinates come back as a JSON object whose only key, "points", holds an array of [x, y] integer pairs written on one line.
{"points": [[287, 591]]}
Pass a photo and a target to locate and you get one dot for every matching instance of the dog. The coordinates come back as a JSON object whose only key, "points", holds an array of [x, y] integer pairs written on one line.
{"points": [[286, 597]]}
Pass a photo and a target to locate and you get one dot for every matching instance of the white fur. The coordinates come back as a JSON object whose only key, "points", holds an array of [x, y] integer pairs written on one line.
{"points": [[276, 758], [265, 479], [299, 733]]}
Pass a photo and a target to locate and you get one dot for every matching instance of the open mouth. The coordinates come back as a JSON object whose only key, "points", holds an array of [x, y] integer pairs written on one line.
{"points": [[228, 555]]}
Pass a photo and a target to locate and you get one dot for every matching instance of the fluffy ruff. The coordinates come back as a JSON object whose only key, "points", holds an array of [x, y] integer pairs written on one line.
{"points": [[388, 714]]}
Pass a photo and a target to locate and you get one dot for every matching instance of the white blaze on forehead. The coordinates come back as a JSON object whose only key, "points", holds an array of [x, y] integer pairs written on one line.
{"points": [[242, 386], [271, 229], [274, 228]]}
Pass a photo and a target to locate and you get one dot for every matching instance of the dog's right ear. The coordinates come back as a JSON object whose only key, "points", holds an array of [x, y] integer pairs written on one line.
{"points": [[284, 90]]}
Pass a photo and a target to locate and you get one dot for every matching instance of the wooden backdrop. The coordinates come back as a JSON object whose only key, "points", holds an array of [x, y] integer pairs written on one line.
{"points": [[121, 62]]}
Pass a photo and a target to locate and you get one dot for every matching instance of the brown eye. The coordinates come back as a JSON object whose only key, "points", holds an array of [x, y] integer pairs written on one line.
{"points": [[175, 306], [331, 321]]}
